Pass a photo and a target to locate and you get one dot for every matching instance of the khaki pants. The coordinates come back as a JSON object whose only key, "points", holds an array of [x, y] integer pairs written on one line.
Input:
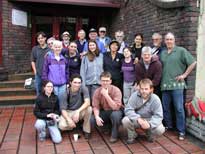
{"points": [[131, 127], [85, 115]]}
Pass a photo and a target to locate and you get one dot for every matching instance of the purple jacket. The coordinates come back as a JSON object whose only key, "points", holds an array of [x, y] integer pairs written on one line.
{"points": [[154, 71], [55, 71]]}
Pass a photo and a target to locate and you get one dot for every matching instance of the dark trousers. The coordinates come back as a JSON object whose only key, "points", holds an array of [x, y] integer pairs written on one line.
{"points": [[110, 116]]}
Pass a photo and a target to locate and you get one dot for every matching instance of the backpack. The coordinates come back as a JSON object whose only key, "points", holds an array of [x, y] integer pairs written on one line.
{"points": [[196, 108]]}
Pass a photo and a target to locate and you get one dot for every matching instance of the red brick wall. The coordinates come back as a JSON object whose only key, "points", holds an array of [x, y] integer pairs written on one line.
{"points": [[142, 16], [16, 42]]}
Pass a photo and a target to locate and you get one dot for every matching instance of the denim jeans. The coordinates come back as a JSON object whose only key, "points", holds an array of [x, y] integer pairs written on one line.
{"points": [[60, 91], [177, 98], [109, 116], [38, 84], [127, 91], [40, 125]]}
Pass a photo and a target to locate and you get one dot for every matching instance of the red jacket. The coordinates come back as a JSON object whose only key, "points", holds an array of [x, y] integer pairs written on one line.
{"points": [[154, 71]]}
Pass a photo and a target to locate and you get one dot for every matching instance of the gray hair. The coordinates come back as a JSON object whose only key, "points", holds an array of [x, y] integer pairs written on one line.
{"points": [[157, 34], [57, 43], [170, 34], [146, 49]]}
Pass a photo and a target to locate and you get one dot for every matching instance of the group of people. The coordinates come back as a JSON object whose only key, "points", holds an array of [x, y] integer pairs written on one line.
{"points": [[106, 83]]}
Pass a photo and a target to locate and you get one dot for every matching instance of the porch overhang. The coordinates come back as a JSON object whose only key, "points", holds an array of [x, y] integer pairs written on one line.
{"points": [[94, 3]]}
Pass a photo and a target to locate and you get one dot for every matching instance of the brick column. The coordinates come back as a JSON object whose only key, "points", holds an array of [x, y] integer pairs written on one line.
{"points": [[1, 32]]}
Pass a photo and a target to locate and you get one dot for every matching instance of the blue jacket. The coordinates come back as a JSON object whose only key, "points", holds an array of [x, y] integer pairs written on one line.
{"points": [[56, 71], [107, 42], [90, 70]]}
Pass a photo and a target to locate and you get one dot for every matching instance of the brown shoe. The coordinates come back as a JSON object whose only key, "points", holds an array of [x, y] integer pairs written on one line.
{"points": [[113, 140], [87, 135]]}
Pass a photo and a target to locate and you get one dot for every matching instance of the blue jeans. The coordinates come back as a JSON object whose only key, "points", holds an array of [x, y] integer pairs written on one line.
{"points": [[40, 125], [177, 98], [60, 91], [38, 84]]}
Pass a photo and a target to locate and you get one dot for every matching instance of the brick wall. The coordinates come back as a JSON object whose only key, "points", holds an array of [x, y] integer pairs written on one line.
{"points": [[16, 42], [142, 16]]}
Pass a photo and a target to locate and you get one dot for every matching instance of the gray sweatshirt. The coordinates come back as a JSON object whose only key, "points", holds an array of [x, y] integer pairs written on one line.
{"points": [[151, 111]]}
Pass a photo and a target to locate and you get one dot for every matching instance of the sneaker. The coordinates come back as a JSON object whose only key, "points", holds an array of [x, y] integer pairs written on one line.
{"points": [[42, 139], [113, 140], [181, 136], [131, 141]]}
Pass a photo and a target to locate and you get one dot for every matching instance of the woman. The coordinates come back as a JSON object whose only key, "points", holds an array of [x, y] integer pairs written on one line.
{"points": [[56, 70], [73, 58], [137, 47], [47, 113], [92, 67], [128, 69], [112, 62]]}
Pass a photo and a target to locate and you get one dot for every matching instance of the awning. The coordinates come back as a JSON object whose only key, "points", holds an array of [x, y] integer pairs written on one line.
{"points": [[96, 3]]}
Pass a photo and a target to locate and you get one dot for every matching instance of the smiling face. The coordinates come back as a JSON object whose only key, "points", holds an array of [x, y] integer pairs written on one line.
{"points": [[48, 89], [81, 34], [127, 53], [170, 41], [114, 47], [138, 40], [145, 90], [105, 82], [41, 40], [93, 35], [92, 46], [57, 47], [75, 84], [72, 48], [146, 56], [156, 40]]}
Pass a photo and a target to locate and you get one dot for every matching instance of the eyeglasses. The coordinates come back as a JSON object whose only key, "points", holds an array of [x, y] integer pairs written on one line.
{"points": [[102, 31], [155, 39], [106, 81]]}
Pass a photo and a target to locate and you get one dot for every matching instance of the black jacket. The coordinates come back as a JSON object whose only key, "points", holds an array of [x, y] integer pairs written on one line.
{"points": [[45, 105]]}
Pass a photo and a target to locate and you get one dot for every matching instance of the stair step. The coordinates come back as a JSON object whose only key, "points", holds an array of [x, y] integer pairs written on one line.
{"points": [[22, 76], [12, 83], [17, 100], [16, 91]]}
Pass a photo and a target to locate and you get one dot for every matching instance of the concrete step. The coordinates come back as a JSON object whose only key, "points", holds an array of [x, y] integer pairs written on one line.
{"points": [[17, 100], [22, 76], [16, 91], [12, 83]]}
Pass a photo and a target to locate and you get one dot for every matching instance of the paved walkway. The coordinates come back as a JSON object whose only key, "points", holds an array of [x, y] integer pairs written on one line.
{"points": [[18, 136]]}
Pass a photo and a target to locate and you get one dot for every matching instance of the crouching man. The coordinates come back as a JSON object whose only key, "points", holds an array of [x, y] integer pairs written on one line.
{"points": [[106, 105], [77, 107], [144, 110]]}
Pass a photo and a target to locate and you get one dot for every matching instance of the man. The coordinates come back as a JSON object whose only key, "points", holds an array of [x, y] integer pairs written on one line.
{"points": [[106, 105], [119, 36], [144, 110], [93, 36], [81, 41], [149, 67], [177, 64], [37, 59], [66, 39], [77, 108], [103, 38], [156, 44]]}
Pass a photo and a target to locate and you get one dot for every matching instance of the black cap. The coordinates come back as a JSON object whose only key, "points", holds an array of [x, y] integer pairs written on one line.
{"points": [[92, 30]]}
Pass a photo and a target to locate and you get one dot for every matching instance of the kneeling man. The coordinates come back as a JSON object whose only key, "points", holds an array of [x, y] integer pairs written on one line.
{"points": [[77, 107], [107, 103], [144, 110]]}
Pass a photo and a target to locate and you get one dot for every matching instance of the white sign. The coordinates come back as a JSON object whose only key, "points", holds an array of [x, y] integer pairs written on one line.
{"points": [[19, 18]]}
